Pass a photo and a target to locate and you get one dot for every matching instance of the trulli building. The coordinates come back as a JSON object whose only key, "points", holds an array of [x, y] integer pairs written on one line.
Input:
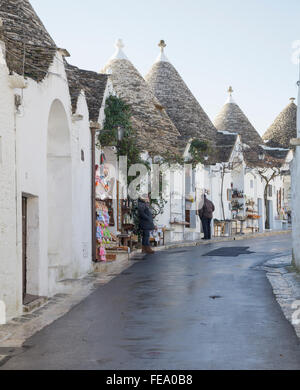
{"points": [[252, 177], [45, 160], [278, 137], [156, 133], [284, 127], [181, 105]]}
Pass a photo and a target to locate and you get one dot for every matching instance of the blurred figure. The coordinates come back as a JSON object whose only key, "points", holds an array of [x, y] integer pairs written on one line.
{"points": [[205, 212], [146, 222]]}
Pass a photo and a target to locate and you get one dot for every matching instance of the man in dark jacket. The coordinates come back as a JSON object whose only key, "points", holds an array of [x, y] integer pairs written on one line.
{"points": [[146, 222], [206, 213]]}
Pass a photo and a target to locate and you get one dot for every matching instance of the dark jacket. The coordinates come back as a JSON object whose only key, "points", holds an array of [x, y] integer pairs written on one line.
{"points": [[145, 215], [207, 209]]}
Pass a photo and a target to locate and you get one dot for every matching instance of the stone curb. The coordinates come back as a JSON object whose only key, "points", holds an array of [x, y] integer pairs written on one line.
{"points": [[285, 282], [221, 239]]}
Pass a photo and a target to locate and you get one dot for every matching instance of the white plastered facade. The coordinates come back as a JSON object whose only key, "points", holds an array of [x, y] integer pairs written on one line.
{"points": [[47, 160]]}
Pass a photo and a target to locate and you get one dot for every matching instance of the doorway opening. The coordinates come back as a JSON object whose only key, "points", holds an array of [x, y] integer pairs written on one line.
{"points": [[59, 193], [30, 248], [24, 246]]}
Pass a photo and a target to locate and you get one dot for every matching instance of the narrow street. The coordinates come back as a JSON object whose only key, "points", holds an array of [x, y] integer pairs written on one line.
{"points": [[179, 309]]}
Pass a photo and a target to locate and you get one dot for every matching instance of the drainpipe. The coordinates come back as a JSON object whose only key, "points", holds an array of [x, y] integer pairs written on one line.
{"points": [[94, 126], [17, 82]]}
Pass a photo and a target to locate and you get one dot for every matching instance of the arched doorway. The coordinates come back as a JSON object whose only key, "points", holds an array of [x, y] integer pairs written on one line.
{"points": [[59, 191]]}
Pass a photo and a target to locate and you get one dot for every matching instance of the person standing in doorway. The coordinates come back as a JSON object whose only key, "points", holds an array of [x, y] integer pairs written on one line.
{"points": [[205, 212], [146, 222]]}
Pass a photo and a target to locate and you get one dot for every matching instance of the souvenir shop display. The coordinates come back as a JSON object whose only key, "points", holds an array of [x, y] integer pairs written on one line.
{"points": [[127, 220], [237, 194], [237, 204], [157, 236], [251, 209], [103, 182], [104, 238], [252, 215]]}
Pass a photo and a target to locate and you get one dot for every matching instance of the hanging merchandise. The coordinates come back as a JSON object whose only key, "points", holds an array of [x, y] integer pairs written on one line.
{"points": [[102, 158], [97, 175], [104, 237], [104, 182]]}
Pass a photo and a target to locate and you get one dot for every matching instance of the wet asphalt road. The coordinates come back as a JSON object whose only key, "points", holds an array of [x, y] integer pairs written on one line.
{"points": [[158, 314]]}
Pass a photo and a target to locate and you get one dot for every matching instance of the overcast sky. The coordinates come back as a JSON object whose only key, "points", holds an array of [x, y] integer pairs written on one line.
{"points": [[213, 44]]}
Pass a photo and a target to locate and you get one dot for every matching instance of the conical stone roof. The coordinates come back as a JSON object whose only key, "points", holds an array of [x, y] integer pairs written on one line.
{"points": [[284, 128], [92, 83], [23, 33], [155, 131], [179, 102], [232, 119]]}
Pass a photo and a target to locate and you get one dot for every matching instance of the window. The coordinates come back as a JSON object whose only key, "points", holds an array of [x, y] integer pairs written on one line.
{"points": [[82, 155], [251, 184]]}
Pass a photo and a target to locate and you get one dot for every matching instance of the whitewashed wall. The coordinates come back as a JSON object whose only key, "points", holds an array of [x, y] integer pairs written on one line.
{"points": [[81, 189], [59, 216], [10, 261], [74, 212], [295, 172]]}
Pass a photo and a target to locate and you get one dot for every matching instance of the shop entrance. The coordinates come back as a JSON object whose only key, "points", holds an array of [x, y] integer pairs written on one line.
{"points": [[30, 248]]}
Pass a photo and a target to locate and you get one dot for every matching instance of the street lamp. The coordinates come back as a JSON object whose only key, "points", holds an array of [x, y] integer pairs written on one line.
{"points": [[121, 132]]}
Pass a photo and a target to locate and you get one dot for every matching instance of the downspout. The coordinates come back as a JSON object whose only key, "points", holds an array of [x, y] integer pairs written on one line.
{"points": [[222, 189], [14, 83], [94, 126]]}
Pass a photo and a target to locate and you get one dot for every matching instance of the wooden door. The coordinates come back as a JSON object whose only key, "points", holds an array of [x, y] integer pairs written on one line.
{"points": [[24, 243]]}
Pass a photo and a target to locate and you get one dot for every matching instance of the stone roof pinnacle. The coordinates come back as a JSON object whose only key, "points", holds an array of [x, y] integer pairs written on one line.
{"points": [[230, 98], [119, 53], [162, 56]]}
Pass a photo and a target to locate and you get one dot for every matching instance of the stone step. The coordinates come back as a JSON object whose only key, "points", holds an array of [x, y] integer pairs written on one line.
{"points": [[34, 304], [107, 266]]}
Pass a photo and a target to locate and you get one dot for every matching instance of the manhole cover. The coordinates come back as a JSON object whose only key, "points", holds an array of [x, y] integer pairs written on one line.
{"points": [[232, 251]]}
